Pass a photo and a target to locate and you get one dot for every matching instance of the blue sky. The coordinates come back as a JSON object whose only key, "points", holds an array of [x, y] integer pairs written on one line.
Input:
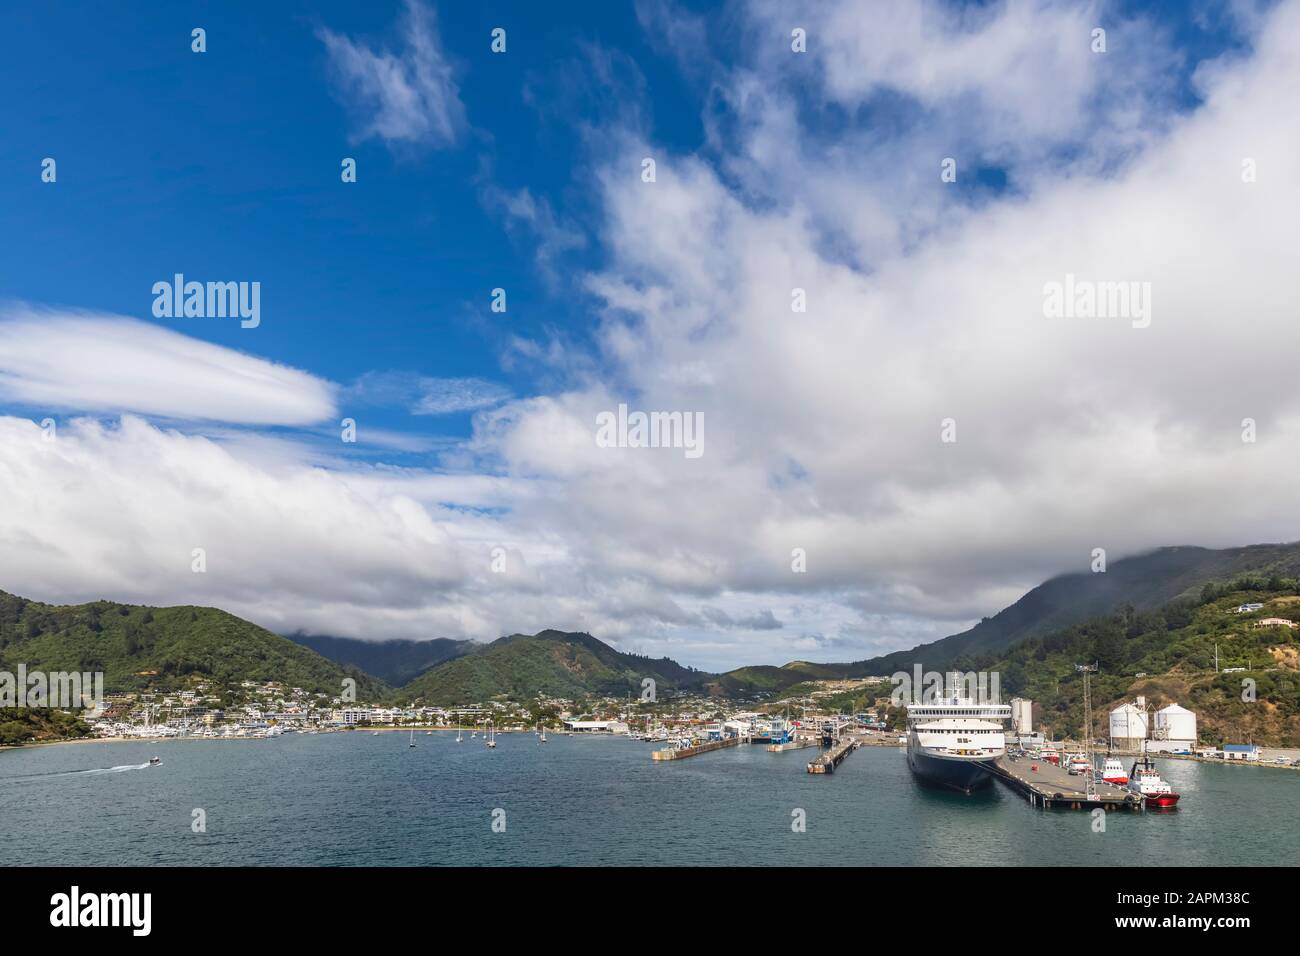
{"points": [[226, 165], [522, 170]]}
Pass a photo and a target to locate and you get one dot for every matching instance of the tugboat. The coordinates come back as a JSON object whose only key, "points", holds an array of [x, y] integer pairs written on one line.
{"points": [[1113, 772], [1051, 756], [1146, 783]]}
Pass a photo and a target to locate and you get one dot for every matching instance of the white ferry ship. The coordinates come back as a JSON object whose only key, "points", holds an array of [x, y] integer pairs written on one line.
{"points": [[952, 741]]}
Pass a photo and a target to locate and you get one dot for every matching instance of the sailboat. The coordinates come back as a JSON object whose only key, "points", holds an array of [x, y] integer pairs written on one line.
{"points": [[460, 734], [491, 736], [412, 743], [541, 734]]}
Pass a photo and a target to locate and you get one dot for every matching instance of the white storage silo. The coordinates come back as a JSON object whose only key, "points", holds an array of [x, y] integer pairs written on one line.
{"points": [[1176, 727], [1128, 727], [1022, 720]]}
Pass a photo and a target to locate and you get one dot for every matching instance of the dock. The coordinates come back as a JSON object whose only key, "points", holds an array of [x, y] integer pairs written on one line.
{"points": [[1052, 787], [832, 758], [797, 744], [679, 753]]}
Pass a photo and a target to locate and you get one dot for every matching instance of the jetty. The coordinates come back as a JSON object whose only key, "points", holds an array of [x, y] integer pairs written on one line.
{"points": [[679, 753], [799, 743], [832, 758], [1051, 787]]}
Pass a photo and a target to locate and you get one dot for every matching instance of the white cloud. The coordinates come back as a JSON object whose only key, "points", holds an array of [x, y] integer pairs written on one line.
{"points": [[823, 427], [405, 97], [427, 395], [445, 396], [61, 360]]}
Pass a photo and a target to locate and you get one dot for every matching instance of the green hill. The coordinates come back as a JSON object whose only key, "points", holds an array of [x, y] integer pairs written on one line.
{"points": [[1167, 655], [136, 646], [755, 679], [1144, 582], [23, 725], [550, 663]]}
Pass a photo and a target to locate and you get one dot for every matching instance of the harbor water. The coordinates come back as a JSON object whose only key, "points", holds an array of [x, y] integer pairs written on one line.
{"points": [[370, 799]]}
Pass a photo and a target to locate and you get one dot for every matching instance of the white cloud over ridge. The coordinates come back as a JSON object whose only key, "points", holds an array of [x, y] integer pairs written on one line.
{"points": [[823, 427]]}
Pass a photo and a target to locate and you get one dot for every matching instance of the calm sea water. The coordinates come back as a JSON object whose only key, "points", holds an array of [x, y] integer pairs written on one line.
{"points": [[360, 799]]}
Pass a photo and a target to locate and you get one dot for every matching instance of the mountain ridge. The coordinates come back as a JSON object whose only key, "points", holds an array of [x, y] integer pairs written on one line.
{"points": [[126, 640]]}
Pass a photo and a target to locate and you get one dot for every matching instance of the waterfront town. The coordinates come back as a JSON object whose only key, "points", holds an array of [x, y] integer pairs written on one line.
{"points": [[685, 722]]}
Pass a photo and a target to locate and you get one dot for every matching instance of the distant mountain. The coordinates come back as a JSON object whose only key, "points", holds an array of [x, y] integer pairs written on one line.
{"points": [[394, 662], [136, 645], [550, 663], [1143, 582]]}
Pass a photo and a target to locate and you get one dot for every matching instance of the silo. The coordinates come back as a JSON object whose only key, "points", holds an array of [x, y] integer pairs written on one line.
{"points": [[1022, 720], [1128, 727], [1176, 724]]}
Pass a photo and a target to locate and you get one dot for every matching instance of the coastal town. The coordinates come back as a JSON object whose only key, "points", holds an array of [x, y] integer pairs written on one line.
{"points": [[684, 722]]}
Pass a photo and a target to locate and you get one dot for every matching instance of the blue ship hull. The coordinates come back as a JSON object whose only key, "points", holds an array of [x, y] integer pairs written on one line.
{"points": [[963, 775]]}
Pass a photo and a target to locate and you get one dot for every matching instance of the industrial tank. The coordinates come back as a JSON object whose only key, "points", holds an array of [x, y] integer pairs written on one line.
{"points": [[1175, 723], [1128, 727]]}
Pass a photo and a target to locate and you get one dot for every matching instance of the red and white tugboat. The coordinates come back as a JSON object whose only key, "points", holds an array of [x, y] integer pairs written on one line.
{"points": [[1112, 771], [1145, 781]]}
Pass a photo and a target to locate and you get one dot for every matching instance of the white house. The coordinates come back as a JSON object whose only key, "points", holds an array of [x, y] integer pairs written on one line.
{"points": [[1240, 751]]}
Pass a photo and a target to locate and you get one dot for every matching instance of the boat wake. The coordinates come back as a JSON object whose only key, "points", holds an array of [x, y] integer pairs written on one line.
{"points": [[123, 768]]}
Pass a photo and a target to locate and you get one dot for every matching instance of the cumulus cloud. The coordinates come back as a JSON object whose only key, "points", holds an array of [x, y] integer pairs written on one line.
{"points": [[824, 426], [405, 97], [61, 360]]}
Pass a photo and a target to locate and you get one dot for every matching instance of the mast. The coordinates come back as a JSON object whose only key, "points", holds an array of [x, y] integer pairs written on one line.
{"points": [[1089, 780]]}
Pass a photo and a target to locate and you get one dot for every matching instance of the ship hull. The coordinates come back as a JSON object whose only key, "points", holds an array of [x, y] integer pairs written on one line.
{"points": [[954, 774], [1162, 801]]}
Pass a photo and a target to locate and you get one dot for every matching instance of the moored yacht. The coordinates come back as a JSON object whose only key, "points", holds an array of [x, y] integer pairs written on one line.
{"points": [[952, 742]]}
